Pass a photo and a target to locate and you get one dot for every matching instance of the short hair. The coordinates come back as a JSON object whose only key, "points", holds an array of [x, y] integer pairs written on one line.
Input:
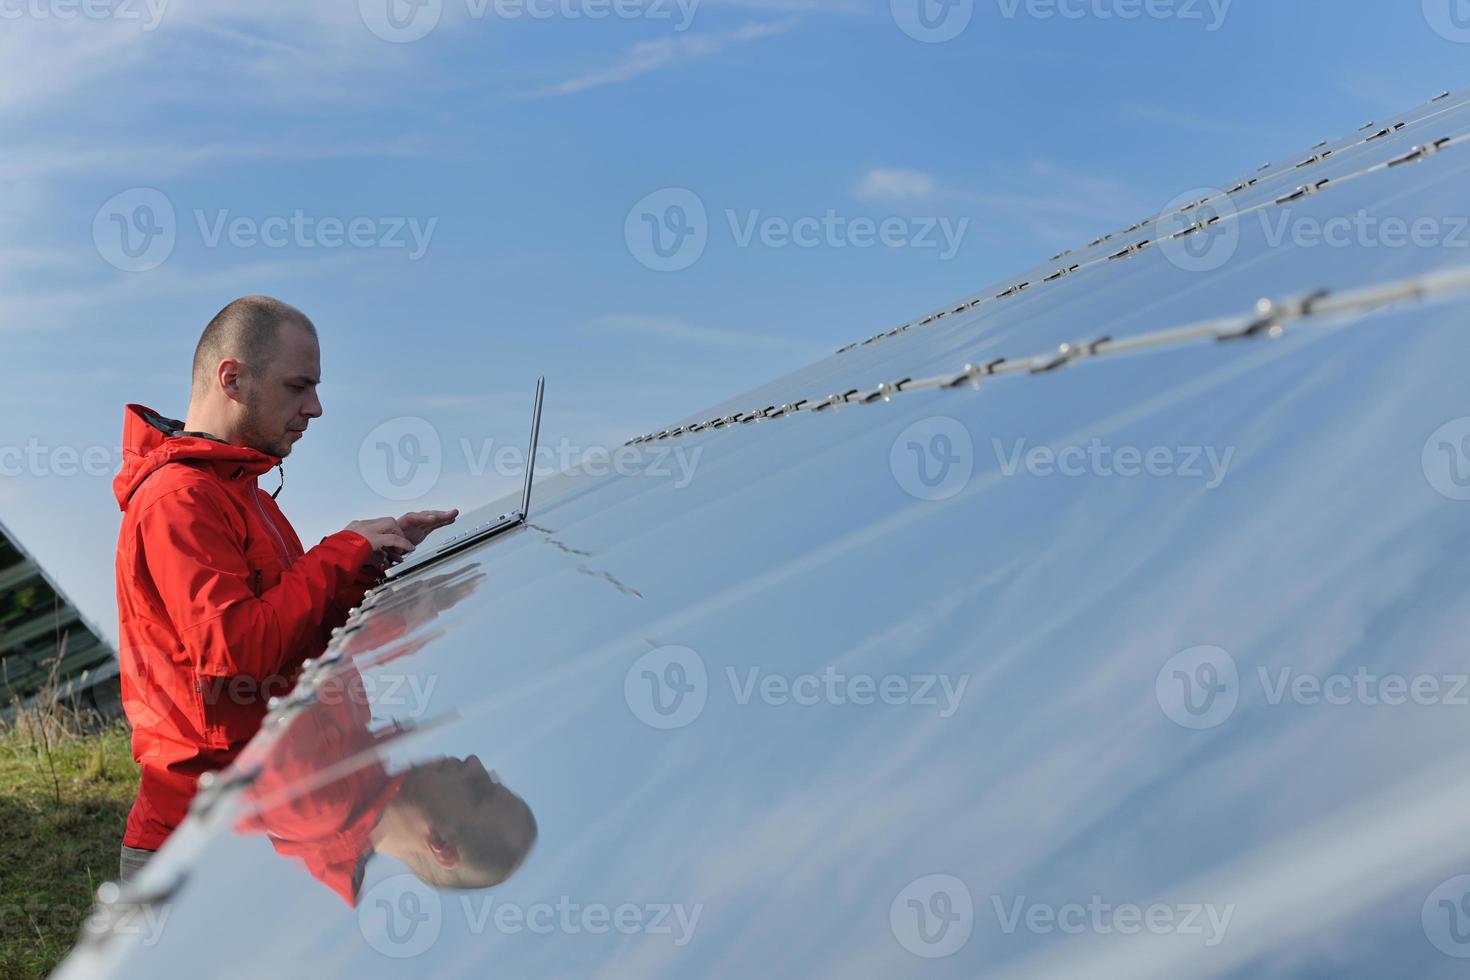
{"points": [[490, 852], [248, 330]]}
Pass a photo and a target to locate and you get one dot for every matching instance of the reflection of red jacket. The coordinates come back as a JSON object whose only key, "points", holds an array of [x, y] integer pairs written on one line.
{"points": [[324, 787], [217, 607]]}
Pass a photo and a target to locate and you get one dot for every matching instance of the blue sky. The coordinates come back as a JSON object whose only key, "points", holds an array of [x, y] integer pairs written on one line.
{"points": [[462, 211]]}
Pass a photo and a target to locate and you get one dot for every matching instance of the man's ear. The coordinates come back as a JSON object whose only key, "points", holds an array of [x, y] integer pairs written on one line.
{"points": [[230, 374], [444, 851]]}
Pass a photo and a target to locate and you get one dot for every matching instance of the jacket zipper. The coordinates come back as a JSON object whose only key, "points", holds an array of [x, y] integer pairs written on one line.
{"points": [[275, 532]]}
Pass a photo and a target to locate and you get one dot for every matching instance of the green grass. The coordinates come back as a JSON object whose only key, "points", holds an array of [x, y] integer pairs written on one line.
{"points": [[65, 789]]}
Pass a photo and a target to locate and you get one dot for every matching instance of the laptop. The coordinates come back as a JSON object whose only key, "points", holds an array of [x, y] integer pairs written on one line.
{"points": [[469, 537]]}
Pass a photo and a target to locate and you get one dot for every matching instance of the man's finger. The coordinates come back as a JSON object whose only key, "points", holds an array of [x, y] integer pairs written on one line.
{"points": [[436, 518], [395, 542]]}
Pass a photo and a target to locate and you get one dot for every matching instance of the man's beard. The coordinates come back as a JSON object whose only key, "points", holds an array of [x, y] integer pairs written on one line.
{"points": [[258, 437]]}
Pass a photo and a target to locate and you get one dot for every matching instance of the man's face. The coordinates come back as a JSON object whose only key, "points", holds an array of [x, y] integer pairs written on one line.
{"points": [[279, 398], [457, 788], [463, 799]]}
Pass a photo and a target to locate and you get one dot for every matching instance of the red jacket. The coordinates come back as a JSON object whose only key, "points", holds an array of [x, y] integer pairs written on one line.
{"points": [[328, 826], [217, 606]]}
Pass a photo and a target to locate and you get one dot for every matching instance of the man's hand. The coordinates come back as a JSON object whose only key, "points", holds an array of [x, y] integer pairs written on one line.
{"points": [[389, 540], [417, 525]]}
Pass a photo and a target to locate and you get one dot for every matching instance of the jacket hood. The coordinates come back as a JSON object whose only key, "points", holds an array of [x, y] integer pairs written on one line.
{"points": [[150, 441]]}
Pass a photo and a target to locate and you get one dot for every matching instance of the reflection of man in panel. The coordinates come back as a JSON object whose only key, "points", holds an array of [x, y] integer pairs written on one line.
{"points": [[325, 798]]}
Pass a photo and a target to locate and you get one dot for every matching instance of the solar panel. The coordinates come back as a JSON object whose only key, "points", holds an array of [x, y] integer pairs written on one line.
{"points": [[45, 640], [1107, 627]]}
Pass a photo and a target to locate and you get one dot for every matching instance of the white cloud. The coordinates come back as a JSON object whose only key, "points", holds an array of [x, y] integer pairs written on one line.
{"points": [[883, 185], [1074, 206], [656, 55], [162, 159]]}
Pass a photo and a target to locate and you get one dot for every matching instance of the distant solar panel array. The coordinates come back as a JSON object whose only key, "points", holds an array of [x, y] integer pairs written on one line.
{"points": [[42, 635]]}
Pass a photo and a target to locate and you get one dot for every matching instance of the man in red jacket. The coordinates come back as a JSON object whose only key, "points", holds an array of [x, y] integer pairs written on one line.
{"points": [[218, 604]]}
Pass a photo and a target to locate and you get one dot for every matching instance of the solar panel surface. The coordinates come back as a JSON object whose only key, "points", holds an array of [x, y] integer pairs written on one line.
{"points": [[1150, 665]]}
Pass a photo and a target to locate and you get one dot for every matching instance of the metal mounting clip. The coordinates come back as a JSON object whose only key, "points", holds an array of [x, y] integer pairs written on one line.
{"points": [[1420, 152], [1066, 354], [1302, 192], [973, 373], [1270, 316]]}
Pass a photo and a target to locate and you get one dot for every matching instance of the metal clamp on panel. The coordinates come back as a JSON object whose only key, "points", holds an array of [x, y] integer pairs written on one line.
{"points": [[116, 908], [835, 399], [1133, 249], [1196, 227], [1066, 354], [786, 409], [1270, 316], [329, 656], [885, 391], [1420, 152], [973, 373], [1302, 192], [212, 787], [1012, 291]]}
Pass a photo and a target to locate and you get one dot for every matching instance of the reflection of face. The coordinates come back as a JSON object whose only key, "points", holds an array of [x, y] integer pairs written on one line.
{"points": [[279, 397], [458, 788], [478, 830]]}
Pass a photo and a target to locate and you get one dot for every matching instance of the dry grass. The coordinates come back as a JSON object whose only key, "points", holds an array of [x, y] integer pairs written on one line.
{"points": [[67, 779]]}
